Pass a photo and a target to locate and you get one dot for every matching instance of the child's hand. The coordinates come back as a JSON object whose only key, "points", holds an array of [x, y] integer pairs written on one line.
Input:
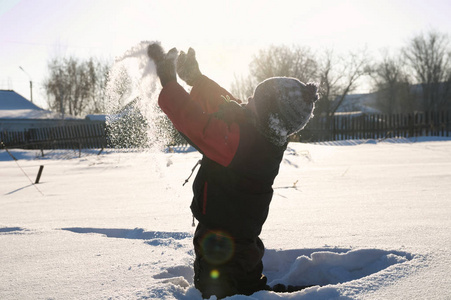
{"points": [[156, 53], [188, 67], [165, 63]]}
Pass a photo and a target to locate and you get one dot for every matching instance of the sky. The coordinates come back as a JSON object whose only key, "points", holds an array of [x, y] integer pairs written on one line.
{"points": [[225, 34]]}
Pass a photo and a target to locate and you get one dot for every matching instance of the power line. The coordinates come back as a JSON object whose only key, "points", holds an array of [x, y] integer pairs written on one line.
{"points": [[53, 45], [15, 160]]}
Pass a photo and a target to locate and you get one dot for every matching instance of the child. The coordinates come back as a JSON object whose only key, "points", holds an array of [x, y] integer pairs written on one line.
{"points": [[242, 147]]}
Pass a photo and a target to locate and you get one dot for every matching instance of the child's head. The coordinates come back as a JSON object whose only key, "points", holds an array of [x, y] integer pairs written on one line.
{"points": [[283, 106]]}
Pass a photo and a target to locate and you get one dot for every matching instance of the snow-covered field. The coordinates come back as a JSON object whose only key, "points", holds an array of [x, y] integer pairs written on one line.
{"points": [[362, 219]]}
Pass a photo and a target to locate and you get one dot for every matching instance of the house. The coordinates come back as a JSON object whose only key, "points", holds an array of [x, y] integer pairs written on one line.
{"points": [[19, 114], [362, 103], [25, 125]]}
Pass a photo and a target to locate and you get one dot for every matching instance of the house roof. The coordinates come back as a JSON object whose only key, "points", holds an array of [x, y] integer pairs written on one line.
{"points": [[10, 100], [14, 106], [365, 103]]}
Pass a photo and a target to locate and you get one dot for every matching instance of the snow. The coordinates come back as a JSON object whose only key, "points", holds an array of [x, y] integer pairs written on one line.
{"points": [[361, 219], [365, 219], [29, 114], [133, 75]]}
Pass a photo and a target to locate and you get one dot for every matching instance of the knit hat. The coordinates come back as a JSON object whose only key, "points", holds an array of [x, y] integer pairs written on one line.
{"points": [[284, 106]]}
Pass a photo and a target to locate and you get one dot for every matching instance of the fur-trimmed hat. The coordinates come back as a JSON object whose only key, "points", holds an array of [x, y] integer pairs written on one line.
{"points": [[284, 105]]}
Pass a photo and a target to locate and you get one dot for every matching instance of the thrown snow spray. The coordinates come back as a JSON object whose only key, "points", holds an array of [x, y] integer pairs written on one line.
{"points": [[134, 118]]}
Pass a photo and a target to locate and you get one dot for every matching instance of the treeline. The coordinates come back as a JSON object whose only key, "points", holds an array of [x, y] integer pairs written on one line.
{"points": [[75, 86], [415, 78]]}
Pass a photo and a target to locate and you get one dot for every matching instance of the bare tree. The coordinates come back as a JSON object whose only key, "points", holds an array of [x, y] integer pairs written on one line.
{"points": [[97, 104], [392, 86], [338, 77], [76, 87], [429, 57], [295, 61], [329, 81], [338, 74], [298, 62], [243, 87]]}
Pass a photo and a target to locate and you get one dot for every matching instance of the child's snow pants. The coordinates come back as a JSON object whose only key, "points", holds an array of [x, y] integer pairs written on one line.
{"points": [[225, 266]]}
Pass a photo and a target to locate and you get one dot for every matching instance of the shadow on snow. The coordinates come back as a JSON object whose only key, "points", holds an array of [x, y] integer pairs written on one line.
{"points": [[135, 234], [13, 230]]}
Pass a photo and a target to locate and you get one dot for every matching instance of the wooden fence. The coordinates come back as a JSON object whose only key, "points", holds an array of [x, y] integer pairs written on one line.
{"points": [[92, 135], [86, 135], [374, 126]]}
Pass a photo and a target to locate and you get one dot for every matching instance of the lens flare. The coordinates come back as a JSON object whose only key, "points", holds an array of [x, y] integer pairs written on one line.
{"points": [[217, 247], [214, 274]]}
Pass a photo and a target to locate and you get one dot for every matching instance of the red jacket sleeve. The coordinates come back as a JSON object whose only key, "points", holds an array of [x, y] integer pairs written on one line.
{"points": [[217, 140], [209, 94]]}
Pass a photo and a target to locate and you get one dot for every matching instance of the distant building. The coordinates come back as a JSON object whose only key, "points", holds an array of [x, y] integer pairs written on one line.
{"points": [[19, 114], [363, 103], [25, 125]]}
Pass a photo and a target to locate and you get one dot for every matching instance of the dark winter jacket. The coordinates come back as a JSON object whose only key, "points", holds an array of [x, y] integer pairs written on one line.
{"points": [[233, 188]]}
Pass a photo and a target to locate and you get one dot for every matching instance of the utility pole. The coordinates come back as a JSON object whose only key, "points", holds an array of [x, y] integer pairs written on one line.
{"points": [[61, 93], [31, 84]]}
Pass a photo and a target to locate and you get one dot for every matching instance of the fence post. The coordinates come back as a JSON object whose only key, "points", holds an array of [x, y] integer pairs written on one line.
{"points": [[448, 122], [373, 127], [39, 174], [410, 125]]}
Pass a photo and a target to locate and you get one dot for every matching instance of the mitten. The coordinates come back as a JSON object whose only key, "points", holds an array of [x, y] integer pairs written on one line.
{"points": [[165, 63], [187, 67]]}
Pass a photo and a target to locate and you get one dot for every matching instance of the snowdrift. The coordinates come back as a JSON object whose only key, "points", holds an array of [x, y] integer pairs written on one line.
{"points": [[355, 220]]}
